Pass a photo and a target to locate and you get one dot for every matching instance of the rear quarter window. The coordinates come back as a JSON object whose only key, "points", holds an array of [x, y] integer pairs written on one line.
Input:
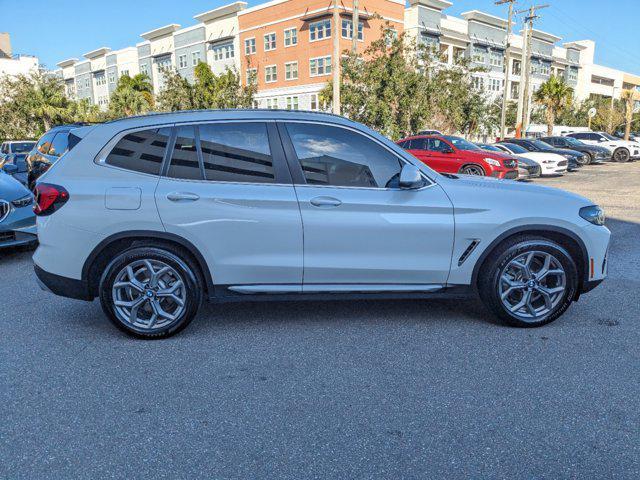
{"points": [[141, 151]]}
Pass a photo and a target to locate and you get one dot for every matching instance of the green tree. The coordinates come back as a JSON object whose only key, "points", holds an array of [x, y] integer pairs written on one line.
{"points": [[554, 96], [177, 93], [132, 96], [139, 83], [221, 91]]}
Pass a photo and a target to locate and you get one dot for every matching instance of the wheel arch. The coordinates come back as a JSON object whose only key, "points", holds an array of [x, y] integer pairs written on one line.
{"points": [[472, 164], [566, 238], [103, 253]]}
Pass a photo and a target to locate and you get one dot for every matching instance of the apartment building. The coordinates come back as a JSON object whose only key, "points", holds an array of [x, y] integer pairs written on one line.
{"points": [[286, 48], [287, 45]]}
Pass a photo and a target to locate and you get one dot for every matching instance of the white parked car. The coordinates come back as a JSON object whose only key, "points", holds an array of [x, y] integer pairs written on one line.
{"points": [[153, 214], [550, 163], [621, 150], [14, 146]]}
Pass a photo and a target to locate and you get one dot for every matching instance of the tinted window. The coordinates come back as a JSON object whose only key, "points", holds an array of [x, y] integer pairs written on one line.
{"points": [[517, 149], [59, 144], [337, 156], [141, 151], [45, 142], [419, 144], [437, 145], [461, 143], [184, 159], [21, 147], [236, 152], [406, 144]]}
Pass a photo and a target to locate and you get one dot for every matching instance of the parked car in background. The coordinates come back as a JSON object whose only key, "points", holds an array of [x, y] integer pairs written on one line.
{"points": [[527, 169], [621, 150], [549, 163], [449, 154], [595, 153], [17, 220], [429, 132], [49, 148], [155, 213], [575, 159], [14, 146], [16, 166]]}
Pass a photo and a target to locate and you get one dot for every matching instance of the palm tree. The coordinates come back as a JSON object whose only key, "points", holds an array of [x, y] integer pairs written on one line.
{"points": [[555, 96], [47, 100], [125, 101], [140, 83], [628, 96]]}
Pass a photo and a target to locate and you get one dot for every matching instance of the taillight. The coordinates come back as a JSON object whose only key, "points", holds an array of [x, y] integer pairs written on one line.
{"points": [[49, 198]]}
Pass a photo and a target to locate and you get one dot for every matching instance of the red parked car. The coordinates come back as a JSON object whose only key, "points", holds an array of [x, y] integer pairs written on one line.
{"points": [[448, 154]]}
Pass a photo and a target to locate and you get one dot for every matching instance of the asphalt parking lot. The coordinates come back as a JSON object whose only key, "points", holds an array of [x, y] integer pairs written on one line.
{"points": [[344, 390]]}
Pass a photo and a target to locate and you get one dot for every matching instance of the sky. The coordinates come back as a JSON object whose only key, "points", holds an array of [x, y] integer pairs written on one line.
{"points": [[55, 30]]}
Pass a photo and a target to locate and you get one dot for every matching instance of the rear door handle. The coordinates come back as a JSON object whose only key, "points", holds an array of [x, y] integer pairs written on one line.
{"points": [[325, 202], [182, 197]]}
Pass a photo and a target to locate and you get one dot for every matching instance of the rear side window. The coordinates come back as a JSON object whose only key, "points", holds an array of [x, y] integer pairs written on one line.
{"points": [[140, 151], [60, 144], [236, 152], [184, 159], [44, 143]]}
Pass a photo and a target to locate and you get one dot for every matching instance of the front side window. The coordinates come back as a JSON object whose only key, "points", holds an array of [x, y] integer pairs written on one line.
{"points": [[236, 152], [184, 159], [437, 145], [140, 151], [341, 157]]}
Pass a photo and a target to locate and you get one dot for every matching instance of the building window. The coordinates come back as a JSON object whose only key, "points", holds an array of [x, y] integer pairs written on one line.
{"points": [[495, 58], [100, 80], [495, 85], [223, 51], [516, 67], [272, 103], [271, 73], [144, 69], [320, 66], [478, 83], [125, 72], [545, 69], [292, 103], [347, 29], [478, 55], [252, 76], [291, 71], [319, 30], [112, 77], [195, 58], [290, 37], [535, 68], [269, 42], [182, 61], [249, 46], [515, 90], [87, 83], [573, 75]]}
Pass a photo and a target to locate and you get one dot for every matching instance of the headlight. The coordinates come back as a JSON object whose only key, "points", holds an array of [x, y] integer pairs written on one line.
{"points": [[492, 161], [23, 202], [548, 161], [593, 214], [568, 156]]}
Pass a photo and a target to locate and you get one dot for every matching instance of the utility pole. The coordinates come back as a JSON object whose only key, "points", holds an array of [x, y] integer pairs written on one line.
{"points": [[336, 59], [525, 97], [613, 94], [356, 24], [507, 61]]}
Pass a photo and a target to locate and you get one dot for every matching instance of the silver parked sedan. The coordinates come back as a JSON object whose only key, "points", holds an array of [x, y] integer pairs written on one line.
{"points": [[17, 220]]}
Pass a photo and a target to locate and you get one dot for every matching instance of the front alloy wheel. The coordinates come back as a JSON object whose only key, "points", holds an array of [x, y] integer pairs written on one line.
{"points": [[621, 155], [472, 170]]}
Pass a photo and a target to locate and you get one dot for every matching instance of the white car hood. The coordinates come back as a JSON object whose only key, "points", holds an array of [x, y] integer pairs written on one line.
{"points": [[540, 156]]}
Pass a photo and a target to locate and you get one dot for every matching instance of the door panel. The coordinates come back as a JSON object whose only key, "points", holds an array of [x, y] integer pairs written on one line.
{"points": [[376, 236], [249, 230], [359, 227]]}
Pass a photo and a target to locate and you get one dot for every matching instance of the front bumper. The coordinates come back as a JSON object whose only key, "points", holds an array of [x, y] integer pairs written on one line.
{"points": [[18, 228]]}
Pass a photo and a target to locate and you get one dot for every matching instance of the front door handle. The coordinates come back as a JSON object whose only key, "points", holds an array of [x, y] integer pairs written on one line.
{"points": [[182, 197], [325, 202]]}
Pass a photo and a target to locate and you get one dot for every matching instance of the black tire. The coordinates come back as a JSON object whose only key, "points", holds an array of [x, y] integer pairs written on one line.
{"points": [[472, 169], [621, 155], [502, 255], [587, 158], [189, 273]]}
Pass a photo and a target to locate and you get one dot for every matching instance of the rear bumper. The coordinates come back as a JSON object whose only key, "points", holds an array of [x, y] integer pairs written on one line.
{"points": [[62, 286]]}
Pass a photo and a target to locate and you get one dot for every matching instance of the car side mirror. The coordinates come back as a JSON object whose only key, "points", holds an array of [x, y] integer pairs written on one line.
{"points": [[410, 177], [10, 168]]}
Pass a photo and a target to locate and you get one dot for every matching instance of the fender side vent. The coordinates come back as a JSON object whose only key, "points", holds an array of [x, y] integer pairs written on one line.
{"points": [[472, 246]]}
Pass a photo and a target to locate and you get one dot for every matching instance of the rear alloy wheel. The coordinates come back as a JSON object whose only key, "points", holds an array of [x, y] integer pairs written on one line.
{"points": [[531, 282], [621, 155], [472, 170], [150, 292]]}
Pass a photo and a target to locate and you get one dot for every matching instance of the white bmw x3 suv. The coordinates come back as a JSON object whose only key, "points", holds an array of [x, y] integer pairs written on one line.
{"points": [[154, 214]]}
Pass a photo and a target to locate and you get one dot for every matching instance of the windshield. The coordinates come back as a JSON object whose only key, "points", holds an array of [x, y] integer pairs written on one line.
{"points": [[542, 145], [22, 147], [461, 143], [517, 149], [573, 141], [609, 137], [491, 148]]}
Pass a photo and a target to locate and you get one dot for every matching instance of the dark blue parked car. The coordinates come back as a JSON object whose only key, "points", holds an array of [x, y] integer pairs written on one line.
{"points": [[17, 220]]}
